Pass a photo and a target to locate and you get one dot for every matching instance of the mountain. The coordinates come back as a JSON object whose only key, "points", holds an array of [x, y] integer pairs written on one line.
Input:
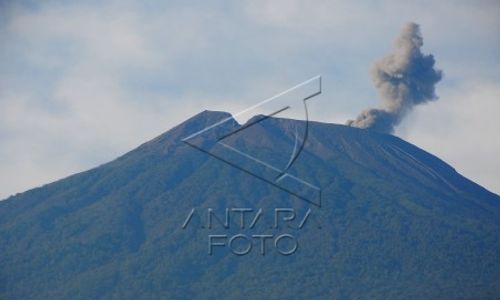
{"points": [[395, 222]]}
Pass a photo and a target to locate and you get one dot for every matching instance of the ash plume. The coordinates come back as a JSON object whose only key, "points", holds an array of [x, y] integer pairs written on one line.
{"points": [[404, 78]]}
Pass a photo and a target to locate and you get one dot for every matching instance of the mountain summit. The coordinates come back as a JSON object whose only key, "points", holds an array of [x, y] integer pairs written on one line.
{"points": [[169, 221]]}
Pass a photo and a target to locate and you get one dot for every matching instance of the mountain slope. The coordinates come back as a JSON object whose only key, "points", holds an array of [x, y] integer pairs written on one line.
{"points": [[395, 222]]}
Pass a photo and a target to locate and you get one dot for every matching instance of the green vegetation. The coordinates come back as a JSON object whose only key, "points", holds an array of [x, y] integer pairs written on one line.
{"points": [[396, 223]]}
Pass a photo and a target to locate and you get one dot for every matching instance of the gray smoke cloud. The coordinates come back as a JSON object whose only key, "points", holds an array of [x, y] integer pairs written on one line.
{"points": [[404, 78]]}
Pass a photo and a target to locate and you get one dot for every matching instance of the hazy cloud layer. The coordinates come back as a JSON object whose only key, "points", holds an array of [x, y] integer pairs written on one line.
{"points": [[83, 83], [462, 128]]}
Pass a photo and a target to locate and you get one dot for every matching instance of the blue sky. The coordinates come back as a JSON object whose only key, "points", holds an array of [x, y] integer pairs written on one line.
{"points": [[82, 82]]}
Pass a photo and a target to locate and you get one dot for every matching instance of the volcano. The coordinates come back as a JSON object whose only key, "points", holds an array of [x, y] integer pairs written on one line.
{"points": [[168, 221]]}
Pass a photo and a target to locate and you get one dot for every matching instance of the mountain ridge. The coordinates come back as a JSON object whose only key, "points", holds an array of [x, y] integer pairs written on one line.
{"points": [[396, 222], [209, 117]]}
